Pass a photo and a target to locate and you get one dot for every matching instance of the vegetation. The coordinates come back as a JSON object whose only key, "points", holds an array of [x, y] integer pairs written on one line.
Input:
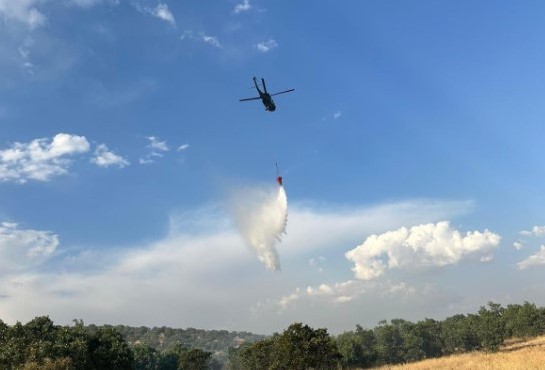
{"points": [[395, 342], [525, 355], [39, 344]]}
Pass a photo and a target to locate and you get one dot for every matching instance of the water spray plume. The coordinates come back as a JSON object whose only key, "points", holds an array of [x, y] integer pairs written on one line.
{"points": [[261, 215]]}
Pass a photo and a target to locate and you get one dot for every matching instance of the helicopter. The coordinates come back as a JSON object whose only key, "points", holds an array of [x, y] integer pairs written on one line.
{"points": [[265, 96], [278, 177]]}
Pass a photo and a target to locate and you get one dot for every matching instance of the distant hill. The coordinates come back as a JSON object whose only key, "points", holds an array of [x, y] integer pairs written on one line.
{"points": [[165, 338]]}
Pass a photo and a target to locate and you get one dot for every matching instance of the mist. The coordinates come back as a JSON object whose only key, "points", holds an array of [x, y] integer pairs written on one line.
{"points": [[260, 214]]}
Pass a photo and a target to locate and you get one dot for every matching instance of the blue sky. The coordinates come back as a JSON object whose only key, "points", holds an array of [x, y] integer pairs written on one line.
{"points": [[411, 152]]}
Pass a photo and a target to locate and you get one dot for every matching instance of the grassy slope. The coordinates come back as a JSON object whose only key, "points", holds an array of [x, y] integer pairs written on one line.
{"points": [[513, 355]]}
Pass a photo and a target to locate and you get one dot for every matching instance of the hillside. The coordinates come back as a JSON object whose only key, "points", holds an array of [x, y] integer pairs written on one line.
{"points": [[514, 354]]}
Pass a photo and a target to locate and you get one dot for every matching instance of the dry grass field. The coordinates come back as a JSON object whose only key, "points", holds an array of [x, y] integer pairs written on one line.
{"points": [[514, 355]]}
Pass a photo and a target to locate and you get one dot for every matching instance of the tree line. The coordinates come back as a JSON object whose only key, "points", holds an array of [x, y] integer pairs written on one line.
{"points": [[398, 341], [41, 345]]}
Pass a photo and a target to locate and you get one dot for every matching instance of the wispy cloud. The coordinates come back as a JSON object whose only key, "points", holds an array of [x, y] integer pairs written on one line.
{"points": [[211, 40], [156, 144], [183, 147], [89, 3], [161, 11], [40, 159], [535, 231], [202, 37], [337, 114], [156, 148], [266, 46], [203, 246], [24, 11], [341, 293], [103, 157], [244, 7], [420, 246], [23, 249], [187, 34], [535, 259]]}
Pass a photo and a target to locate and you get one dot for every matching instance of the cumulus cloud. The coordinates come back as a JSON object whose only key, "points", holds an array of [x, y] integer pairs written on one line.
{"points": [[535, 259], [22, 249], [518, 245], [266, 46], [24, 11], [420, 246], [103, 157], [537, 231], [40, 159], [244, 7]]}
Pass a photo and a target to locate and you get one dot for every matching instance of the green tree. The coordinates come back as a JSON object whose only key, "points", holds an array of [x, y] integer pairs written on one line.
{"points": [[389, 343], [459, 334], [491, 327], [145, 357], [109, 351], [430, 332], [194, 359], [301, 347], [48, 364], [357, 348], [523, 321], [256, 355]]}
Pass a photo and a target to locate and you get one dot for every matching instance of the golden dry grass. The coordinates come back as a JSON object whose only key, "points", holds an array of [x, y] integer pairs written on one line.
{"points": [[514, 355]]}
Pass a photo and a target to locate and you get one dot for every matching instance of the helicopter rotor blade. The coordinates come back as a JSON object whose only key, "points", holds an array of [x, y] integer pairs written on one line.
{"points": [[247, 99], [283, 92]]}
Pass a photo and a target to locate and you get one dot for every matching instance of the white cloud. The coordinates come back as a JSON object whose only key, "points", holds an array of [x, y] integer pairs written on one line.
{"points": [[266, 46], [212, 40], [244, 7], [536, 259], [203, 246], [23, 11], [337, 114], [187, 34], [161, 11], [536, 231], [156, 148], [156, 144], [24, 249], [203, 37], [40, 159], [90, 3], [183, 147], [420, 246], [103, 157], [518, 245], [340, 293], [318, 263]]}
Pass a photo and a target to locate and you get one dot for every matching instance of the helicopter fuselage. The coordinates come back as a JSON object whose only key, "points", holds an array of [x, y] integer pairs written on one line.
{"points": [[267, 101]]}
